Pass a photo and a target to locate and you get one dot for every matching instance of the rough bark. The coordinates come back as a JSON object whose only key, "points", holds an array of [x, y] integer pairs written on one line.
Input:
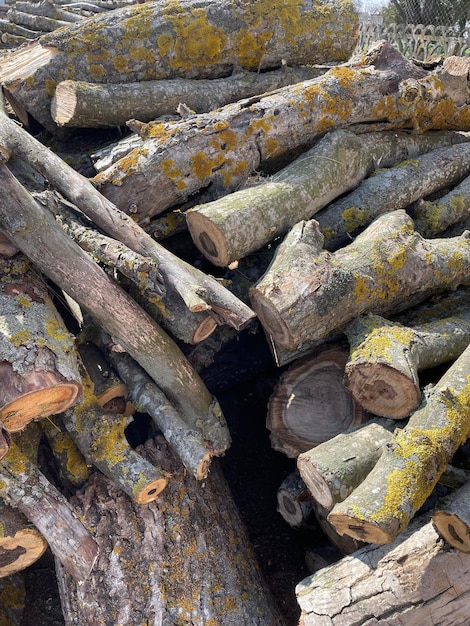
{"points": [[417, 580], [219, 150], [198, 291], [385, 358], [72, 270], [411, 465], [94, 105], [236, 225], [25, 487], [310, 403], [194, 39], [21, 544], [186, 559], [308, 292], [451, 519], [38, 362]]}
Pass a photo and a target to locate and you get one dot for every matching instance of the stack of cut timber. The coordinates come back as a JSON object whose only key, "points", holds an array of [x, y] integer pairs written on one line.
{"points": [[359, 300]]}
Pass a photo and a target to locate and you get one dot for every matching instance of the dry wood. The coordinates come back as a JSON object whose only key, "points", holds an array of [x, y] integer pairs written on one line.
{"points": [[411, 465], [417, 580], [198, 291], [40, 23], [236, 225], [451, 519], [25, 487], [7, 249], [308, 292], [385, 357], [21, 544], [186, 559], [310, 403], [294, 501], [67, 265], [38, 368], [94, 105], [193, 39], [221, 149], [72, 467], [4, 442], [391, 189]]}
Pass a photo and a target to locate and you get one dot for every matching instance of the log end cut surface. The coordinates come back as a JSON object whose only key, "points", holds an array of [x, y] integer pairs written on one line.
{"points": [[453, 530], [359, 529], [151, 491], [208, 238], [21, 551]]}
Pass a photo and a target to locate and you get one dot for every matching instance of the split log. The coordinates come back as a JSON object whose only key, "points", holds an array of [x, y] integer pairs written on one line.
{"points": [[416, 580], [38, 363], [451, 519], [24, 486], [431, 218], [66, 264], [193, 39], [391, 189], [21, 544], [185, 560], [411, 465], [219, 151], [236, 225], [94, 105], [308, 292], [385, 358], [310, 403], [198, 291]]}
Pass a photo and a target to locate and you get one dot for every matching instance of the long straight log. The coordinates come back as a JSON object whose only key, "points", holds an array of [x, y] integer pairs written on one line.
{"points": [[308, 292], [198, 291], [73, 270], [97, 105], [236, 225], [221, 149], [411, 465], [190, 39]]}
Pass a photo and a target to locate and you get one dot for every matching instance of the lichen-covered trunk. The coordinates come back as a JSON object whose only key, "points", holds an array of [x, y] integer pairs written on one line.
{"points": [[185, 560]]}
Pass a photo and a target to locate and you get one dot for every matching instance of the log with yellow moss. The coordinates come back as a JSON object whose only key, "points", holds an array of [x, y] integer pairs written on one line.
{"points": [[309, 292], [411, 464], [219, 150], [179, 38], [187, 558]]}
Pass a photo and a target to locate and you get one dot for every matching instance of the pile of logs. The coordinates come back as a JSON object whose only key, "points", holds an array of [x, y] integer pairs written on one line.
{"points": [[322, 199]]}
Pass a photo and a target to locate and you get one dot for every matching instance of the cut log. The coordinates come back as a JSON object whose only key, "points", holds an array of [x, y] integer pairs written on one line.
{"points": [[4, 442], [417, 580], [236, 225], [411, 465], [452, 519], [220, 150], [198, 291], [38, 363], [185, 560], [21, 544], [385, 358], [94, 105], [192, 39], [391, 189], [25, 487], [66, 264], [332, 470], [310, 403], [308, 292], [294, 501]]}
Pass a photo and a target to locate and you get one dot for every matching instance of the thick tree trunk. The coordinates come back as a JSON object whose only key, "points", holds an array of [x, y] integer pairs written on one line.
{"points": [[411, 465], [194, 39], [236, 225], [94, 105], [71, 269], [221, 149], [417, 580], [391, 189], [308, 292], [21, 544], [310, 403], [385, 358], [38, 363], [185, 560]]}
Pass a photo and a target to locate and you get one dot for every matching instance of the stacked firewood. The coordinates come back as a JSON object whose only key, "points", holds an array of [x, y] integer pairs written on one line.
{"points": [[343, 175]]}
